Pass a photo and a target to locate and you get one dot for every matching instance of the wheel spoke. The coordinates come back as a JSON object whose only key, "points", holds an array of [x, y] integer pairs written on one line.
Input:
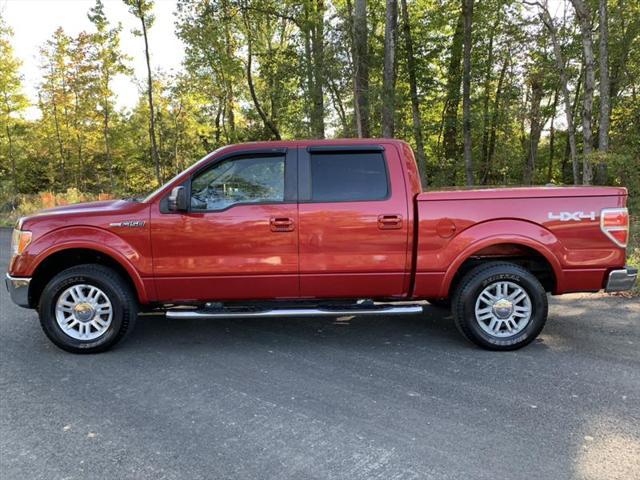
{"points": [[487, 297], [513, 295], [494, 326]]}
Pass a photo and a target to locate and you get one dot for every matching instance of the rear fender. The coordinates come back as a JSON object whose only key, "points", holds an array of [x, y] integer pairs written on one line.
{"points": [[481, 236]]}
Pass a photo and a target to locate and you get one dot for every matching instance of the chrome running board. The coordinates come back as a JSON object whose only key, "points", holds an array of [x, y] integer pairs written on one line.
{"points": [[297, 312]]}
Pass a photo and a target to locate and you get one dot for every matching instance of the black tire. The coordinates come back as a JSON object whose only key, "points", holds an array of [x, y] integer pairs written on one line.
{"points": [[123, 301], [473, 284]]}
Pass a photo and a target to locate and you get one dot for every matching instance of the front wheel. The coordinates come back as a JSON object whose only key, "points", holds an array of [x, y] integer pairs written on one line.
{"points": [[87, 309], [500, 306]]}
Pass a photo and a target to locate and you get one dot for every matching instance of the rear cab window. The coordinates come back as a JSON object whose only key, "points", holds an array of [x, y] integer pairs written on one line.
{"points": [[347, 176]]}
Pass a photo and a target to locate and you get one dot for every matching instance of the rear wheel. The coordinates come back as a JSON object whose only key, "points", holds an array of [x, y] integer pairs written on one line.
{"points": [[500, 306], [87, 309]]}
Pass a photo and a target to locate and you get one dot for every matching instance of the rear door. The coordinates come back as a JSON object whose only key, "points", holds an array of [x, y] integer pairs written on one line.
{"points": [[353, 227]]}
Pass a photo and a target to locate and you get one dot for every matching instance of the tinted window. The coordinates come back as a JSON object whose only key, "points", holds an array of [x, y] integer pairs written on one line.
{"points": [[339, 177], [244, 180]]}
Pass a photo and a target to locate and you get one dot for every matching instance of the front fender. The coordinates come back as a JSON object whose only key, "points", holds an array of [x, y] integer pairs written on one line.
{"points": [[131, 253]]}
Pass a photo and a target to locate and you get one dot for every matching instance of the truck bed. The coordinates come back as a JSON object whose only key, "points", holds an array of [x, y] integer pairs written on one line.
{"points": [[558, 225]]}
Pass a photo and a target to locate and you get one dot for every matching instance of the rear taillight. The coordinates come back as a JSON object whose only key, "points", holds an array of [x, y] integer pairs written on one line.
{"points": [[614, 222]]}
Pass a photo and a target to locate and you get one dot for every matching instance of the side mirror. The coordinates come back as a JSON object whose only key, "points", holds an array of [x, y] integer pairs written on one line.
{"points": [[178, 200]]}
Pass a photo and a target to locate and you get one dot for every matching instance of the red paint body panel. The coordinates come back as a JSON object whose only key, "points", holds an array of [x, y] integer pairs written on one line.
{"points": [[88, 226], [197, 255], [345, 253], [334, 250], [517, 216]]}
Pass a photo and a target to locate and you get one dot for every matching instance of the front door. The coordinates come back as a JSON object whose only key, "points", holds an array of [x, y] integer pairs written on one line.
{"points": [[353, 221], [239, 239]]}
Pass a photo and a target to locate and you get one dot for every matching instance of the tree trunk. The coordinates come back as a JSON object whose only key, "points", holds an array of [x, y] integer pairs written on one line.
{"points": [[487, 94], [339, 107], [450, 113], [552, 136], [583, 14], [494, 120], [605, 103], [317, 45], [313, 34], [269, 125], [574, 109], [466, 91], [415, 102], [361, 68], [152, 119], [535, 128], [229, 114], [389, 74], [568, 111]]}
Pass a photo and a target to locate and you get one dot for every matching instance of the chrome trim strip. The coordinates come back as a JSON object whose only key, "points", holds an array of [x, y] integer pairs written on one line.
{"points": [[18, 288], [296, 312], [621, 280]]}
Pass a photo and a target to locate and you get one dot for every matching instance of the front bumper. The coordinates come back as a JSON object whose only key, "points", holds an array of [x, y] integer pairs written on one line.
{"points": [[18, 288], [621, 280]]}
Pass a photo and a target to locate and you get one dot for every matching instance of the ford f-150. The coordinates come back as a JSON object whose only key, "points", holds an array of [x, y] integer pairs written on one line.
{"points": [[303, 228]]}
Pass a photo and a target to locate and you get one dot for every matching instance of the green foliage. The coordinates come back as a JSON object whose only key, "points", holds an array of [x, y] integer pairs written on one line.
{"points": [[299, 49]]}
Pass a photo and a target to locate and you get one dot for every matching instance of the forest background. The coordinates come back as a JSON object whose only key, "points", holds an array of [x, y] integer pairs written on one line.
{"points": [[488, 92]]}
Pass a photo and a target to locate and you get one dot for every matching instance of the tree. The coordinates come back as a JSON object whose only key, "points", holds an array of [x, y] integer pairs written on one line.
{"points": [[268, 123], [583, 13], [560, 62], [537, 91], [415, 101], [56, 104], [361, 68], [389, 74], [268, 69], [314, 29], [605, 103], [467, 9], [141, 9], [110, 62], [452, 102], [12, 101]]}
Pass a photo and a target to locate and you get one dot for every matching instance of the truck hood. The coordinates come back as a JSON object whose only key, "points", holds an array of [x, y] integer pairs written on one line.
{"points": [[81, 213], [86, 208]]}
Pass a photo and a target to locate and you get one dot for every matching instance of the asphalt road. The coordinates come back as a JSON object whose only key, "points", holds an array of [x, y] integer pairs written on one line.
{"points": [[369, 398]]}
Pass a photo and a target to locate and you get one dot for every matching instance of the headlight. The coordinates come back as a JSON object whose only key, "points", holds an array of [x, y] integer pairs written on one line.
{"points": [[20, 239]]}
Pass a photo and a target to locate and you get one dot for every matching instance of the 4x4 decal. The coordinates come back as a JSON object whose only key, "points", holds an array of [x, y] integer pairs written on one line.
{"points": [[572, 216]]}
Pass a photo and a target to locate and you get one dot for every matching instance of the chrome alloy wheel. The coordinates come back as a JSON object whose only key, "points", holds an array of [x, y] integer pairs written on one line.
{"points": [[84, 312], [503, 309]]}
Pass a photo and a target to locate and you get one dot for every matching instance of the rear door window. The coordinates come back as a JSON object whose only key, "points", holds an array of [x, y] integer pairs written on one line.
{"points": [[348, 177]]}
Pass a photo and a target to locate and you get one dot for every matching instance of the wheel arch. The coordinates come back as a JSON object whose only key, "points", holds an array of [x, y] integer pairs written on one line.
{"points": [[64, 256], [519, 249]]}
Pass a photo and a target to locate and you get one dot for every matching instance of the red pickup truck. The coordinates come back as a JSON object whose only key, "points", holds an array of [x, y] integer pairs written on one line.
{"points": [[317, 228]]}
